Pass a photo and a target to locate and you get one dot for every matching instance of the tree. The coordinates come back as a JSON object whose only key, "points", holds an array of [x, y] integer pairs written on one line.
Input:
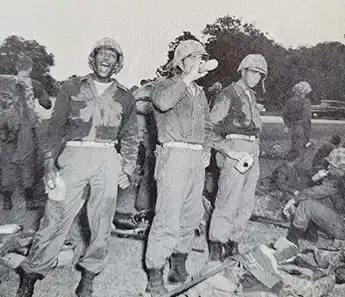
{"points": [[13, 46], [229, 40]]}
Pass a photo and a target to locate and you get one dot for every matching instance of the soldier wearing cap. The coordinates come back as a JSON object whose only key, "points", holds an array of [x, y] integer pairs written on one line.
{"points": [[297, 119], [181, 113], [321, 207], [237, 121], [92, 113]]}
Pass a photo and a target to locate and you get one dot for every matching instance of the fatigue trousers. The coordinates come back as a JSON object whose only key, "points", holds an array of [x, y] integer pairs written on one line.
{"points": [[236, 194], [81, 168], [180, 177], [298, 140], [312, 213]]}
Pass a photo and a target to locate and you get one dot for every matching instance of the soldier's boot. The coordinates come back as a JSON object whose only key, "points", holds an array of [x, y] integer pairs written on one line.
{"points": [[220, 251], [215, 250], [7, 200], [30, 199], [155, 284], [178, 272], [85, 286], [27, 283]]}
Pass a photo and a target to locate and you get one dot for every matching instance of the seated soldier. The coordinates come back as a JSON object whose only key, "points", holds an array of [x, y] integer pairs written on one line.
{"points": [[322, 206], [319, 161]]}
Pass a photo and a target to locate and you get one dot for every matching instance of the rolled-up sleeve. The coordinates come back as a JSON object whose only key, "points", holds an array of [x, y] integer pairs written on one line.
{"points": [[167, 93]]}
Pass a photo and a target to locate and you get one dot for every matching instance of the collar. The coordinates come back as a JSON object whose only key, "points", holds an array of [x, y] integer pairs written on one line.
{"points": [[238, 87], [178, 78], [89, 79]]}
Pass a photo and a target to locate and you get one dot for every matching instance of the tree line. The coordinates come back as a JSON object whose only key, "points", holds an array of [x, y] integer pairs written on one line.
{"points": [[228, 40]]}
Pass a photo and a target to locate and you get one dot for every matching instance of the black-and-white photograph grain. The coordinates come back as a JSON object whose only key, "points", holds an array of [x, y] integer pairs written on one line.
{"points": [[166, 148]]}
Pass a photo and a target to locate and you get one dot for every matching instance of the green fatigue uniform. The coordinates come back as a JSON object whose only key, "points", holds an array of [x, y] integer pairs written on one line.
{"points": [[237, 121], [19, 140], [83, 130], [297, 117], [323, 206], [181, 122]]}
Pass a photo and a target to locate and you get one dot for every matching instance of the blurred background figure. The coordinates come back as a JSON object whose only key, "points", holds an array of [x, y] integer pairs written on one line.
{"points": [[297, 119], [213, 91], [20, 163]]}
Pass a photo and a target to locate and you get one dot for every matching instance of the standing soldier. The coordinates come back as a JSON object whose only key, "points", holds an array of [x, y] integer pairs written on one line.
{"points": [[237, 120], [297, 118], [181, 112], [91, 114], [20, 142]]}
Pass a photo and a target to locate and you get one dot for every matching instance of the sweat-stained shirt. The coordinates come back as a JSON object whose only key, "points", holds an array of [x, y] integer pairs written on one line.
{"points": [[331, 193], [80, 114], [181, 116], [235, 112]]}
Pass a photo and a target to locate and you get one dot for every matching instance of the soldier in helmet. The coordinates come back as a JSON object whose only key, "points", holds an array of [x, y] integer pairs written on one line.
{"points": [[321, 207], [91, 115], [297, 119], [181, 113], [237, 121]]}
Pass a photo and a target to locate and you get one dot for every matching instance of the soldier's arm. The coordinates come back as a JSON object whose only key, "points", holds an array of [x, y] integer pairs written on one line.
{"points": [[307, 119], [56, 126], [327, 189], [218, 113], [167, 93], [285, 114], [41, 94], [128, 136]]}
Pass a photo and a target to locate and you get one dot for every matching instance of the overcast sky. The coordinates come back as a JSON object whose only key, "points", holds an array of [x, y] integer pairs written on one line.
{"points": [[144, 28]]}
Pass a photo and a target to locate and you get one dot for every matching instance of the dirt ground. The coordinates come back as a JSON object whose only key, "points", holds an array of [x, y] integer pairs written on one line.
{"points": [[124, 276]]}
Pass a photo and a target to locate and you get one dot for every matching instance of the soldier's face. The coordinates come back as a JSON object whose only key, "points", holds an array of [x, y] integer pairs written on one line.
{"points": [[190, 61], [251, 77], [105, 62]]}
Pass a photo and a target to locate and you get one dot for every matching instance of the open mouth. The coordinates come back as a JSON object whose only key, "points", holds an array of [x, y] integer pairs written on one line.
{"points": [[104, 67]]}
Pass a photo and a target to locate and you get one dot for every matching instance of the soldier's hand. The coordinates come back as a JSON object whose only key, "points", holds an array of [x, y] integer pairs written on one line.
{"points": [[206, 159], [289, 208], [50, 173], [194, 73], [286, 130], [123, 180]]}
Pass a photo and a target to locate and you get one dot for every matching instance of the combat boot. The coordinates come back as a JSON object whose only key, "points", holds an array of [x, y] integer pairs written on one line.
{"points": [[85, 287], [155, 284], [178, 272], [27, 283], [7, 200], [220, 251], [215, 249]]}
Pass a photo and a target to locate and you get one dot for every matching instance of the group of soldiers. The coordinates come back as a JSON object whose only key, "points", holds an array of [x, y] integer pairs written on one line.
{"points": [[91, 149]]}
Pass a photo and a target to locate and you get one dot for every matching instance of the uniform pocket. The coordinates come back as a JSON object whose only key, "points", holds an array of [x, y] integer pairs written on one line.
{"points": [[67, 157]]}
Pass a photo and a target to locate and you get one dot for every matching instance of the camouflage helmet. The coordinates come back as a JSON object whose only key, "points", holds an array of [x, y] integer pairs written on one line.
{"points": [[186, 48], [302, 88], [255, 62], [111, 44], [337, 158]]}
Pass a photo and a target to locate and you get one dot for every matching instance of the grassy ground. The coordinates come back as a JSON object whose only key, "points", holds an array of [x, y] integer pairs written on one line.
{"points": [[124, 275]]}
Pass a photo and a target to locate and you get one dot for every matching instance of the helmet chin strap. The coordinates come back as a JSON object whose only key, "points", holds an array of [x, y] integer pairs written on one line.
{"points": [[263, 85]]}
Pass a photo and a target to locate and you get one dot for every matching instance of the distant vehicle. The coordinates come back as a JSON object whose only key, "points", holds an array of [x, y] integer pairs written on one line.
{"points": [[328, 109]]}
